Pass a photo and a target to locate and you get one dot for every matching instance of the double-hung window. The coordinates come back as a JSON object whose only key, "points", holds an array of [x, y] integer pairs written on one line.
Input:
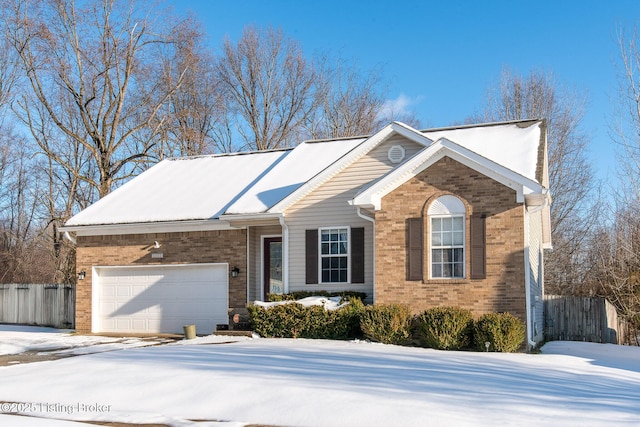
{"points": [[334, 255], [447, 237]]}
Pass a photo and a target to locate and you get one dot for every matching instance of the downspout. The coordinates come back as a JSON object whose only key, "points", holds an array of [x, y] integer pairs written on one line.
{"points": [[527, 282], [527, 263], [373, 222], [285, 253], [248, 263], [70, 238], [543, 205]]}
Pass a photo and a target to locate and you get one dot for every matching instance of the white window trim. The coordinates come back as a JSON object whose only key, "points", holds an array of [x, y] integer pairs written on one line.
{"points": [[441, 206], [320, 256]]}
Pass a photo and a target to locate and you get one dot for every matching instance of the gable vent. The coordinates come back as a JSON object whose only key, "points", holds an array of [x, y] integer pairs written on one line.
{"points": [[396, 153]]}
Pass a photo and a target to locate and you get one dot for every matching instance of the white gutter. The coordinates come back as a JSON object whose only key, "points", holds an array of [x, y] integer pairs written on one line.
{"points": [[249, 217], [545, 203], [149, 227], [70, 238], [285, 253], [248, 266], [373, 221]]}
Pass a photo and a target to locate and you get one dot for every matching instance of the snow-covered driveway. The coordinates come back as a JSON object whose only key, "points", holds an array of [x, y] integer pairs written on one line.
{"points": [[333, 383]]}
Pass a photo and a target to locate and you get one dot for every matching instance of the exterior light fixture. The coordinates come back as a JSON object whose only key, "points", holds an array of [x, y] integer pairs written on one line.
{"points": [[82, 275], [235, 272], [156, 245]]}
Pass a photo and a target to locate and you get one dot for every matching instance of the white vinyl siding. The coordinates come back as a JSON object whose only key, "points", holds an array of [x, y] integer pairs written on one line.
{"points": [[327, 206], [536, 274]]}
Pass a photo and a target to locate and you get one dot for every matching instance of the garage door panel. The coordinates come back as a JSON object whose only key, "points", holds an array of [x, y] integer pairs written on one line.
{"points": [[162, 298]]}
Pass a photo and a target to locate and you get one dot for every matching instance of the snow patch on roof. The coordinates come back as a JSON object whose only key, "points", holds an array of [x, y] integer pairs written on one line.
{"points": [[509, 145]]}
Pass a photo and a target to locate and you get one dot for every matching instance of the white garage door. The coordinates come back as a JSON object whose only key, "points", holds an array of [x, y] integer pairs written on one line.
{"points": [[161, 298]]}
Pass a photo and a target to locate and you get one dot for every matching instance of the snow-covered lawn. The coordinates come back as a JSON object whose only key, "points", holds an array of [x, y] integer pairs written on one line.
{"points": [[327, 383]]}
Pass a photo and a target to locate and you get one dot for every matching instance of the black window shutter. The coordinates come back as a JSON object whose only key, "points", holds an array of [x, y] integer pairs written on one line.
{"points": [[414, 249], [357, 255], [478, 247], [311, 256]]}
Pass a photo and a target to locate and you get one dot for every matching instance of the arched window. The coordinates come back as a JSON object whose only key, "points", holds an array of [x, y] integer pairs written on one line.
{"points": [[446, 237]]}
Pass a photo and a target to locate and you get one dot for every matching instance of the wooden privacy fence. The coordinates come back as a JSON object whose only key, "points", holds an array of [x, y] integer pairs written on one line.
{"points": [[35, 304], [581, 319]]}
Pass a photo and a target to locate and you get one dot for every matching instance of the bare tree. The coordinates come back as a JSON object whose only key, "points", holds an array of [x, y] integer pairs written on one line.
{"points": [[347, 102], [97, 70], [19, 181], [615, 251], [21, 245], [268, 84], [575, 191], [194, 117], [626, 118]]}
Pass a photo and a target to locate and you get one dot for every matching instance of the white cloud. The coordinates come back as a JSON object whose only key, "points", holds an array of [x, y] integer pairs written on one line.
{"points": [[398, 107]]}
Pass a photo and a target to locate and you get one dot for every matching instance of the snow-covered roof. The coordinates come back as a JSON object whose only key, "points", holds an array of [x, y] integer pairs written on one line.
{"points": [[181, 189], [206, 187], [203, 188], [512, 145]]}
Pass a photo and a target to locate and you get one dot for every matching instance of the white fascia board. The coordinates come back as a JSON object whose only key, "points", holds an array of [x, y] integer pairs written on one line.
{"points": [[151, 227], [411, 133], [372, 197], [247, 220], [250, 217], [348, 159]]}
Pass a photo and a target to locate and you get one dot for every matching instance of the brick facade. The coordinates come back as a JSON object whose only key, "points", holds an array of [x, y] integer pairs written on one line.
{"points": [[228, 246], [503, 288]]}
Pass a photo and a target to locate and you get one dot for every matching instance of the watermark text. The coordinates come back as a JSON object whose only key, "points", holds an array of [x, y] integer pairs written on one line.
{"points": [[53, 408]]}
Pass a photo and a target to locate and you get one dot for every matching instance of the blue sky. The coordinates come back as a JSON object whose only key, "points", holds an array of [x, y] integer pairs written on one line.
{"points": [[439, 57]]}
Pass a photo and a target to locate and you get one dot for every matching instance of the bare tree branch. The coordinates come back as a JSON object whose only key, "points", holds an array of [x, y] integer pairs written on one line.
{"points": [[98, 70], [575, 207]]}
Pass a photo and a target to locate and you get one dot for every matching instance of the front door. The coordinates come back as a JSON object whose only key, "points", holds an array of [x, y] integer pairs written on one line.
{"points": [[272, 266]]}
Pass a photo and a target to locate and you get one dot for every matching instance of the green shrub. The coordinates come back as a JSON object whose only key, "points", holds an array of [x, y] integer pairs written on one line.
{"points": [[281, 321], [345, 295], [503, 331], [388, 324], [446, 328], [344, 323], [293, 320]]}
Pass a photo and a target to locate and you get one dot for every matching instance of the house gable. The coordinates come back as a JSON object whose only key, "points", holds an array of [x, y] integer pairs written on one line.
{"points": [[499, 288], [371, 196], [350, 158]]}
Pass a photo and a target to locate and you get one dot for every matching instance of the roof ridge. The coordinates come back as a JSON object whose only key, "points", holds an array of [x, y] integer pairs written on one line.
{"points": [[236, 153], [452, 127], [486, 124]]}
